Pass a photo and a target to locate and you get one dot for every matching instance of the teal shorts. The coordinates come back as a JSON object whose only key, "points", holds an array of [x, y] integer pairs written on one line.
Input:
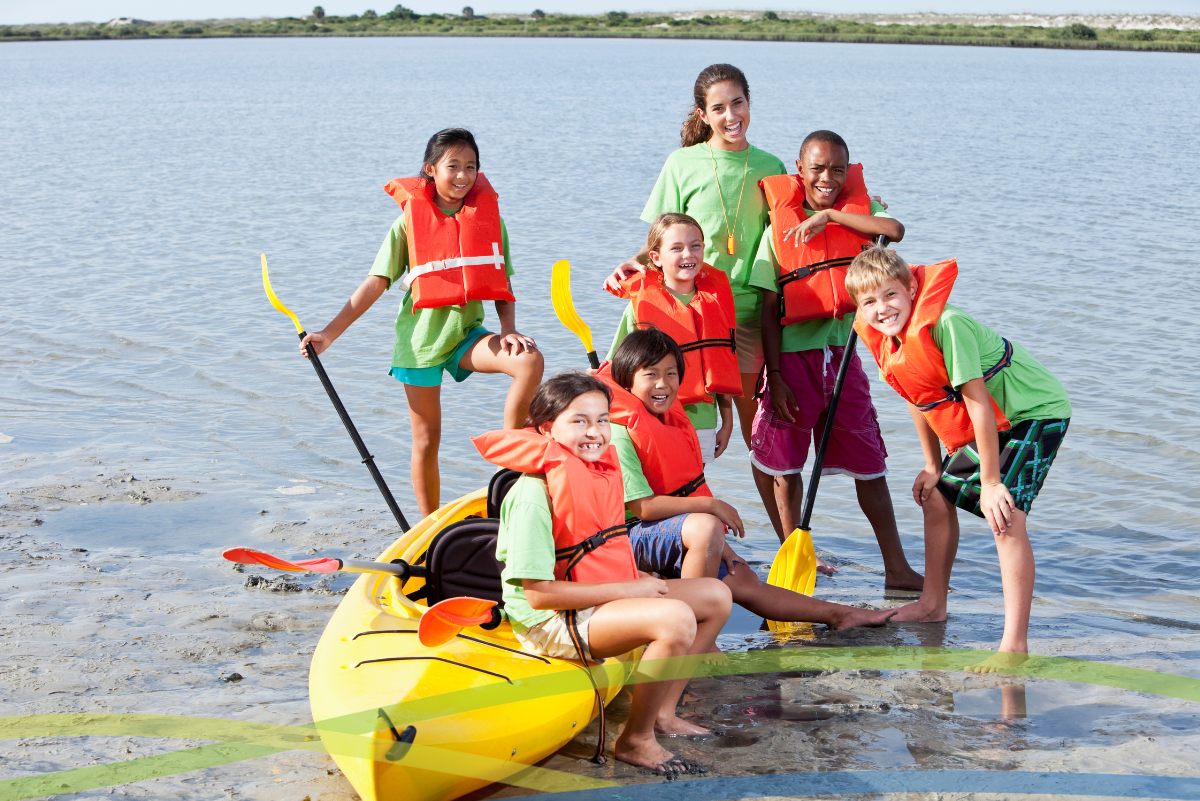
{"points": [[432, 376]]}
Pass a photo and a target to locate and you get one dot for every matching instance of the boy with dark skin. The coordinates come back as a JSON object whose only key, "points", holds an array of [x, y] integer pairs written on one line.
{"points": [[796, 397]]}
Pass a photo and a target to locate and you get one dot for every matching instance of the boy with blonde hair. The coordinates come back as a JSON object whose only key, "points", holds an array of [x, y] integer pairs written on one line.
{"points": [[999, 413]]}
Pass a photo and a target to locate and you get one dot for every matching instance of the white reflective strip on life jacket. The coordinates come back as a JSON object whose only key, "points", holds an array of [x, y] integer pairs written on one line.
{"points": [[496, 259]]}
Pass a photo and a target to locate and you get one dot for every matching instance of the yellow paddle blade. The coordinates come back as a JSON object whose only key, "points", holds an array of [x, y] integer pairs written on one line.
{"points": [[795, 566], [274, 300], [564, 307]]}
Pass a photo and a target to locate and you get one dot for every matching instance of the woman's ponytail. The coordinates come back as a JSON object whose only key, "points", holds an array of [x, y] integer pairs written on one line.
{"points": [[695, 130]]}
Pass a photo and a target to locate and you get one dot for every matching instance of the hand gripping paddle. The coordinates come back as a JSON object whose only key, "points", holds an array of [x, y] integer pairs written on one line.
{"points": [[564, 307]]}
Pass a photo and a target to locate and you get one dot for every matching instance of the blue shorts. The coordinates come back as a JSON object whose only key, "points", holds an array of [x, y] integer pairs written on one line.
{"points": [[432, 376], [658, 547]]}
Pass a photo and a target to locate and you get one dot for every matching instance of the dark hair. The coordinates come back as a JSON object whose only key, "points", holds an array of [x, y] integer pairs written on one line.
{"points": [[826, 137], [555, 395], [696, 130], [642, 348], [443, 141]]}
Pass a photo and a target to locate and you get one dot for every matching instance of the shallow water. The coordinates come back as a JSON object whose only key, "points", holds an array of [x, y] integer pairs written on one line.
{"points": [[142, 180]]}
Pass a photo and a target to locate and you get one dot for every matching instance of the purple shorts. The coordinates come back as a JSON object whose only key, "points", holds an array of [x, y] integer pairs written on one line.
{"points": [[780, 448]]}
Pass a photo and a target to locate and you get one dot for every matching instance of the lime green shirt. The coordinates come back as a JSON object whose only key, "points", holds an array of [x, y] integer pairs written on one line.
{"points": [[703, 415], [1025, 390], [812, 334], [429, 337], [632, 478], [688, 184], [525, 544]]}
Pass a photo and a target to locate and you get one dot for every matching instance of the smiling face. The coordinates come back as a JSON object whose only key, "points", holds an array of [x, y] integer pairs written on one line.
{"points": [[727, 112], [582, 428], [453, 176], [680, 256], [657, 385], [822, 167], [887, 307]]}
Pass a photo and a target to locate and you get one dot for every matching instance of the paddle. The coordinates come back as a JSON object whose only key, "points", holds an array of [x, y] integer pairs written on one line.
{"points": [[367, 458], [251, 556], [564, 307], [795, 566]]}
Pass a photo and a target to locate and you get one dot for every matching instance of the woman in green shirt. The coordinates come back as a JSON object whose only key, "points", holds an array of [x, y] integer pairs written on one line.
{"points": [[714, 178], [448, 339]]}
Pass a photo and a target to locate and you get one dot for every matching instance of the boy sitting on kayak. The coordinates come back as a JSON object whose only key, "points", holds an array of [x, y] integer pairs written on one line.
{"points": [[676, 527], [820, 219], [1000, 414]]}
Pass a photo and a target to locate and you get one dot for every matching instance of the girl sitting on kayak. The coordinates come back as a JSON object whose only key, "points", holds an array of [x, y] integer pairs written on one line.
{"points": [[676, 527], [449, 251], [571, 587], [691, 302]]}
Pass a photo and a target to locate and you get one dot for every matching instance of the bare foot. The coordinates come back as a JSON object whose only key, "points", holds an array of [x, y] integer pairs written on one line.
{"points": [[918, 613], [999, 662], [904, 580], [826, 568], [675, 726], [854, 617], [645, 754]]}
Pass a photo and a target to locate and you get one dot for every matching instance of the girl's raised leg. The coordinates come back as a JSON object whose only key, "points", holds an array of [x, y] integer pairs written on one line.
{"points": [[425, 412], [525, 367]]}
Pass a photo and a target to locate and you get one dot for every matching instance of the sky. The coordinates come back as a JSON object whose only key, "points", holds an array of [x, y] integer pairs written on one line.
{"points": [[17, 12]]}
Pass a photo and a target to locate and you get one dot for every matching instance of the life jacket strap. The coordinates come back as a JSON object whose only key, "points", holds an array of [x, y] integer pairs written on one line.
{"points": [[688, 488], [496, 260], [715, 342], [800, 273], [574, 553], [572, 616], [954, 396]]}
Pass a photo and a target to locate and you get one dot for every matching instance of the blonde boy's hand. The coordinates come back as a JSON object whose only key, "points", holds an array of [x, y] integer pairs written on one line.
{"points": [[996, 503], [645, 587], [727, 515], [782, 399], [925, 484], [623, 271]]}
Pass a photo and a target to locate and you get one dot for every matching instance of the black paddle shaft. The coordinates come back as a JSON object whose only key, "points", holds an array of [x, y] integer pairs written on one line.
{"points": [[367, 458], [810, 497]]}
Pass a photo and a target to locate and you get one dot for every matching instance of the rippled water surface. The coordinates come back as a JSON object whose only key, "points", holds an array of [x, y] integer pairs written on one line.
{"points": [[142, 180]]}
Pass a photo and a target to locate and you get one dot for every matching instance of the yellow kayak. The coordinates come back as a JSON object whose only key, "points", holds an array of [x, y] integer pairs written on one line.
{"points": [[479, 703]]}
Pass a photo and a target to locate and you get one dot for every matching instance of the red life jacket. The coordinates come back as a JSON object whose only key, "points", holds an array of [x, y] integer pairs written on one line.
{"points": [[812, 274], [452, 259], [668, 448], [587, 503], [916, 367], [705, 329]]}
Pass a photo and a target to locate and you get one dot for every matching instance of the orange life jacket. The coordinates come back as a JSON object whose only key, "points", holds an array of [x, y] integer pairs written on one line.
{"points": [[705, 329], [587, 503], [916, 367], [812, 274], [452, 259], [668, 448]]}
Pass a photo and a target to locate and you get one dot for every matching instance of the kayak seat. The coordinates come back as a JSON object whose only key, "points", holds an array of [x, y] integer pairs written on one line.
{"points": [[502, 481], [462, 562]]}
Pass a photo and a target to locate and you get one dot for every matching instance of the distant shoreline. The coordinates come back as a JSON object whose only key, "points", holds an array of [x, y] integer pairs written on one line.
{"points": [[1123, 32]]}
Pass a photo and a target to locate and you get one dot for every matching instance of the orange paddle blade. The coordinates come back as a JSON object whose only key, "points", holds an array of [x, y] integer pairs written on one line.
{"points": [[252, 556], [443, 620]]}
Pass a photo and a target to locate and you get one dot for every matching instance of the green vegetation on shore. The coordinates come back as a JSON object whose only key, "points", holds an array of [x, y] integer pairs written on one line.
{"points": [[768, 26]]}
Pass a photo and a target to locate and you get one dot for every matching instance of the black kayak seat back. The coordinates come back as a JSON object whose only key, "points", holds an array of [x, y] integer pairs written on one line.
{"points": [[502, 481], [462, 562]]}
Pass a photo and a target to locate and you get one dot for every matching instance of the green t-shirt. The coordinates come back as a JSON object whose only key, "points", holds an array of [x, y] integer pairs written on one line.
{"points": [[813, 334], [632, 478], [703, 415], [429, 337], [688, 184], [1025, 390], [525, 544]]}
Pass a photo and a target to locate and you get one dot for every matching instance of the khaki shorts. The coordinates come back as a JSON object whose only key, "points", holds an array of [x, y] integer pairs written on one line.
{"points": [[749, 347], [553, 637]]}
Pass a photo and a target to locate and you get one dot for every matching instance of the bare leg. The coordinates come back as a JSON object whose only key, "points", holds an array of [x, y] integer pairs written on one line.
{"points": [[1017, 571], [766, 490], [876, 503], [525, 368], [941, 546], [711, 602], [776, 603], [746, 405], [789, 501], [425, 412], [703, 540]]}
